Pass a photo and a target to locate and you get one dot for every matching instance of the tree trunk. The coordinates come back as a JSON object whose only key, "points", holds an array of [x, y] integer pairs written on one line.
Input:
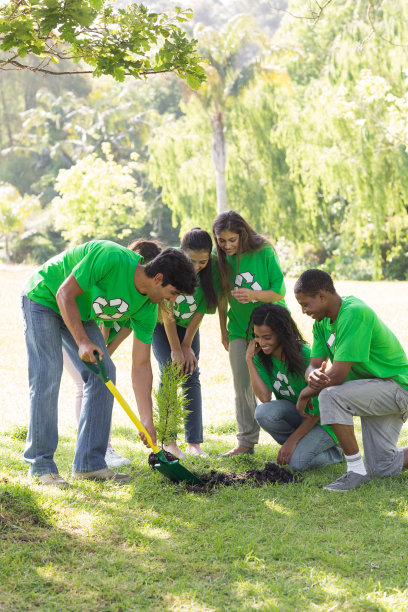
{"points": [[6, 115], [7, 257], [218, 155]]}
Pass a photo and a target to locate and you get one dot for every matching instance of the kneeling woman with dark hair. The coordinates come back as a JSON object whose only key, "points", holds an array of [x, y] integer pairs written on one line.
{"points": [[277, 358]]}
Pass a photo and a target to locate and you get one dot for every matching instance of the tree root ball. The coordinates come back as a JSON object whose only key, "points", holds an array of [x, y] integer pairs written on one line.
{"points": [[152, 459]]}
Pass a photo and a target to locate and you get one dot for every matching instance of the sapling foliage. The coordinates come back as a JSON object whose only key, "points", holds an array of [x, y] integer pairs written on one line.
{"points": [[170, 411]]}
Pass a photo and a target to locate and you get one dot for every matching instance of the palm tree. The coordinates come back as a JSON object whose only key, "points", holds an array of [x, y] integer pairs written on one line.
{"points": [[236, 54]]}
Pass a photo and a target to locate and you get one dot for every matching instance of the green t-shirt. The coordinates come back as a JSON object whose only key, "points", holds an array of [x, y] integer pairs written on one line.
{"points": [[114, 328], [260, 271], [105, 271], [286, 385], [186, 306], [359, 335]]}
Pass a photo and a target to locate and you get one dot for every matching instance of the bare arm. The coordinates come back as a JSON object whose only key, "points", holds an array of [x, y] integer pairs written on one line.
{"points": [[261, 390], [105, 332], [287, 449], [192, 328], [190, 359], [222, 315], [338, 373], [249, 295], [66, 295], [319, 379], [172, 336], [122, 334], [142, 379], [315, 363]]}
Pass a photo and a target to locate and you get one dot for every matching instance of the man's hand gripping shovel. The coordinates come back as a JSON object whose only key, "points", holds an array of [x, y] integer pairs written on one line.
{"points": [[172, 469]]}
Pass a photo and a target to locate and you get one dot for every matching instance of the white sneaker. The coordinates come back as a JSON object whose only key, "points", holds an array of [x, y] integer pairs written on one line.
{"points": [[113, 459]]}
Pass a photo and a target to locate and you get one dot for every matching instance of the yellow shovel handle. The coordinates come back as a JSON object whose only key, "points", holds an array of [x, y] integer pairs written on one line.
{"points": [[131, 415]]}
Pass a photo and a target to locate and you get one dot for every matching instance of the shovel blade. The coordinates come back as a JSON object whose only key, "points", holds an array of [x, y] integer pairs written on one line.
{"points": [[174, 470]]}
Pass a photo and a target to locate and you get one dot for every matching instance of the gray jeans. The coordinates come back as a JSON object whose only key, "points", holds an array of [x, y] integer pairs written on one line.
{"points": [[280, 419], [382, 405], [245, 400]]}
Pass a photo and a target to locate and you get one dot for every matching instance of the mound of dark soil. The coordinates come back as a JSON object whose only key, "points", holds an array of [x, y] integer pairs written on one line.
{"points": [[271, 473]]}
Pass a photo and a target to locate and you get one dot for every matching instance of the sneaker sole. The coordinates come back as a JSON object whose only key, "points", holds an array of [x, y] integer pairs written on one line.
{"points": [[346, 490], [97, 479], [55, 484]]}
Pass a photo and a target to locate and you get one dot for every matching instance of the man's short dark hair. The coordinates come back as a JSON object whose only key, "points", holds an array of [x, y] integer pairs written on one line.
{"points": [[177, 269], [313, 281]]}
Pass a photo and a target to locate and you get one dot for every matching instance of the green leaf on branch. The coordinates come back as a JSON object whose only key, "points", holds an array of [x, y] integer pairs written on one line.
{"points": [[116, 43]]}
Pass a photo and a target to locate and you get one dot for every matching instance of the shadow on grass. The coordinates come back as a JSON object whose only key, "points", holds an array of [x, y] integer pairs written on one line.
{"points": [[150, 544]]}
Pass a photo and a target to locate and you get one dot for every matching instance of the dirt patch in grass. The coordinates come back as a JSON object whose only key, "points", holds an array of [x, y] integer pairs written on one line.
{"points": [[271, 473]]}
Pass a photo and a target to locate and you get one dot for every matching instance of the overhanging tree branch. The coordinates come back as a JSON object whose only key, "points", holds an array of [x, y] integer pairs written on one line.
{"points": [[315, 15], [125, 42], [17, 66]]}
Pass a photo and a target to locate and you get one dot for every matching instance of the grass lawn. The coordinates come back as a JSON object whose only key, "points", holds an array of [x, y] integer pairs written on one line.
{"points": [[152, 545]]}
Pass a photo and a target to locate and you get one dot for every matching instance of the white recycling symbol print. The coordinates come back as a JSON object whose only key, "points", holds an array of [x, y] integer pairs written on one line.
{"points": [[247, 277], [278, 384], [331, 341], [100, 303], [190, 303]]}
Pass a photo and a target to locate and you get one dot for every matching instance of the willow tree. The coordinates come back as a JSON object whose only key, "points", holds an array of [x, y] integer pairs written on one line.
{"points": [[180, 165], [345, 130], [258, 173], [235, 54], [186, 154]]}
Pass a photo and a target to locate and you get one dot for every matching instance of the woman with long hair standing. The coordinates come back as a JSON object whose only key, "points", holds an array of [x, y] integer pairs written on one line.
{"points": [[178, 337], [249, 273]]}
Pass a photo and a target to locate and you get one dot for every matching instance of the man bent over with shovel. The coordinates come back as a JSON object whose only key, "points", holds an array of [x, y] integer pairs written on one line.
{"points": [[96, 281]]}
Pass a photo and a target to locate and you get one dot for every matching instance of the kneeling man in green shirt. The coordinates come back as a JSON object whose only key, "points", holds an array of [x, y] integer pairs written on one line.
{"points": [[368, 378], [62, 302]]}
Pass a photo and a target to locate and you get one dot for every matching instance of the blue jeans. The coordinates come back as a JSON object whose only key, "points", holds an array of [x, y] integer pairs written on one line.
{"points": [[45, 334], [193, 427], [280, 419]]}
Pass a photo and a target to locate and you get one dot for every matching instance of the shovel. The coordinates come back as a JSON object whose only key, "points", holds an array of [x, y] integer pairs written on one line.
{"points": [[172, 469]]}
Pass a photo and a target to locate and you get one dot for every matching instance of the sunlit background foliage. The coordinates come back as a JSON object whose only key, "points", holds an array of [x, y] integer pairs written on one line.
{"points": [[301, 126]]}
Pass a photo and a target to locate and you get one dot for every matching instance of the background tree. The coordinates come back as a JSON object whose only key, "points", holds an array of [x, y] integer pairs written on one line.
{"points": [[344, 133], [177, 152], [98, 199], [318, 161], [234, 55], [15, 211]]}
